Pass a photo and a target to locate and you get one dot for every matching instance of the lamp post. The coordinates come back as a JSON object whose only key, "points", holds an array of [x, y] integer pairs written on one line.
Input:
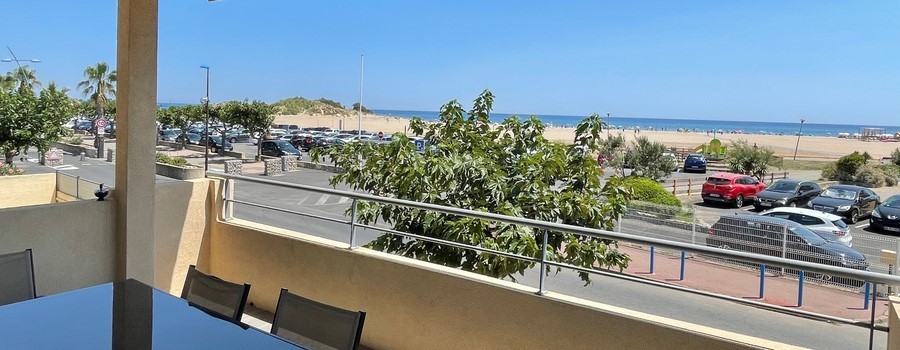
{"points": [[205, 101], [17, 60], [800, 133], [359, 110], [608, 125]]}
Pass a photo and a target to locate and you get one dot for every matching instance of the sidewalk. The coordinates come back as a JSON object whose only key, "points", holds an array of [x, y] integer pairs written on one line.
{"points": [[744, 283]]}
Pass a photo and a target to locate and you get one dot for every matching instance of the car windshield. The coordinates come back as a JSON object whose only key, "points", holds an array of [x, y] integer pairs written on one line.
{"points": [[695, 157], [718, 181], [284, 146], [892, 202], [839, 193], [782, 186], [840, 223], [807, 235]]}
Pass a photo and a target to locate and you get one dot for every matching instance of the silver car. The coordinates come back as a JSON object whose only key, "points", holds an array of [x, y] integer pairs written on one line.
{"points": [[831, 227]]}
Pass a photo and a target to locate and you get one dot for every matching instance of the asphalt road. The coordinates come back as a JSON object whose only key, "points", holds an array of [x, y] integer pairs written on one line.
{"points": [[664, 302]]}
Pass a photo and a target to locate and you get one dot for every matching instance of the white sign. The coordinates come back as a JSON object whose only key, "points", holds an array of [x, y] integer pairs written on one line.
{"points": [[100, 123], [420, 145]]}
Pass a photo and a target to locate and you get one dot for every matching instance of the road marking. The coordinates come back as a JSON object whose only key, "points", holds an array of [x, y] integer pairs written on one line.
{"points": [[343, 200], [322, 199], [64, 167], [862, 226], [300, 202]]}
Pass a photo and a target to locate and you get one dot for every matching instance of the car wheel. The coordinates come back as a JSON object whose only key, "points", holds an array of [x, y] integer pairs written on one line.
{"points": [[233, 140], [215, 149], [854, 216], [739, 201], [757, 207], [793, 205]]}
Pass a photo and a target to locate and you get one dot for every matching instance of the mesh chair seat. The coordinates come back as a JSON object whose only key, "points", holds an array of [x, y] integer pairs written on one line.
{"points": [[16, 277], [315, 325], [214, 294]]}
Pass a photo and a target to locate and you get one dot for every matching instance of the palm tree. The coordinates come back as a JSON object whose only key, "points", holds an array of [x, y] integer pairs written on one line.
{"points": [[23, 77], [7, 82], [100, 83]]}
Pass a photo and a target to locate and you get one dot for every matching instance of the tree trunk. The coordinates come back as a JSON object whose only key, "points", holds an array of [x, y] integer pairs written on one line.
{"points": [[224, 132], [8, 157]]}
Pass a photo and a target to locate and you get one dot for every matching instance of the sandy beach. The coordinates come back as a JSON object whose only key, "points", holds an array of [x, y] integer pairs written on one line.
{"points": [[811, 147]]}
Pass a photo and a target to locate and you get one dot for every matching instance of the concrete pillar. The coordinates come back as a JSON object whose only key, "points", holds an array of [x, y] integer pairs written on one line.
{"points": [[136, 139]]}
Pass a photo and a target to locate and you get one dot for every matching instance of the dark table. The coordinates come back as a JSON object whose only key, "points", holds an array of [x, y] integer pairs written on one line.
{"points": [[123, 315]]}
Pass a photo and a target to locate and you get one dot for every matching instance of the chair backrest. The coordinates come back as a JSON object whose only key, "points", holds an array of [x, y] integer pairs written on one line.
{"points": [[316, 325], [16, 277], [214, 294]]}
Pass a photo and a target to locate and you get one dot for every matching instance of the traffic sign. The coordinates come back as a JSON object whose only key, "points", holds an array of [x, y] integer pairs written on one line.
{"points": [[54, 154], [380, 135], [420, 145], [100, 123]]}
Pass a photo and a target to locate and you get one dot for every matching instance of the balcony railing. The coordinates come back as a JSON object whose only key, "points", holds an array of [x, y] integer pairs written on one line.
{"points": [[549, 228]]}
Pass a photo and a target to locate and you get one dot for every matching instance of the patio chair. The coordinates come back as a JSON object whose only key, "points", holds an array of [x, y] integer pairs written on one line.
{"points": [[316, 325], [215, 295], [16, 277]]}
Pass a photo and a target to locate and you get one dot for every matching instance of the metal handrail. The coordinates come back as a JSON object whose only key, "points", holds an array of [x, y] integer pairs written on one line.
{"points": [[604, 234]]}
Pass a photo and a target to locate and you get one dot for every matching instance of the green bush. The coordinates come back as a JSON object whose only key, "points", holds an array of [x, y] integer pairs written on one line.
{"points": [[750, 160], [73, 140], [647, 190], [176, 161], [870, 176], [895, 157], [849, 165], [829, 171], [891, 174]]}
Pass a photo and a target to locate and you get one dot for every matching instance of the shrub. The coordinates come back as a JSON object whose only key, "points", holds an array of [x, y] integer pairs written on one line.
{"points": [[647, 190], [648, 160], [895, 157], [750, 160], [73, 140], [176, 161], [891, 174], [870, 176], [829, 171], [10, 170], [848, 165]]}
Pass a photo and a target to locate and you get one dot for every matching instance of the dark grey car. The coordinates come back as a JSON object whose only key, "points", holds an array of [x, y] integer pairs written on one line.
{"points": [[886, 216], [787, 193], [851, 202]]}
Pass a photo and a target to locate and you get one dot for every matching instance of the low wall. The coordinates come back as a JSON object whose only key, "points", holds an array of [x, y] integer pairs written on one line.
{"points": [[89, 152], [319, 166], [179, 172], [24, 190], [416, 305], [73, 243]]}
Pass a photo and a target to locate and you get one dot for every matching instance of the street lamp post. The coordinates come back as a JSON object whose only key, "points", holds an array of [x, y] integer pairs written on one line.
{"points": [[800, 133], [205, 102], [17, 60], [359, 110], [608, 125]]}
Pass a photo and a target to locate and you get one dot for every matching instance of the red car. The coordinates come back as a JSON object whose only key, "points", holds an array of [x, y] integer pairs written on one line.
{"points": [[731, 188]]}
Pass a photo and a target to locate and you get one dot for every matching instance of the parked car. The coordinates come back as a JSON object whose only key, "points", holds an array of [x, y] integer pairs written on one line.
{"points": [[851, 202], [278, 148], [731, 188], [787, 193], [764, 235], [84, 125], [831, 227], [192, 138], [303, 142], [330, 142], [169, 135], [674, 160], [694, 162], [235, 136], [886, 217], [215, 143]]}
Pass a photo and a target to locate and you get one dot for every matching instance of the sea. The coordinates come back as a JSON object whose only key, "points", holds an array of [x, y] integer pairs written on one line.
{"points": [[721, 126]]}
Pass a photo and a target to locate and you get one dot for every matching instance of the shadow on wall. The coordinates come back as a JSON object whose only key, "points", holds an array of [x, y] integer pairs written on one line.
{"points": [[181, 227]]}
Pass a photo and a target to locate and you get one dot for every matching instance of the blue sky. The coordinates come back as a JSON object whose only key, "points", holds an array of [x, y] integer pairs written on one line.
{"points": [[825, 61]]}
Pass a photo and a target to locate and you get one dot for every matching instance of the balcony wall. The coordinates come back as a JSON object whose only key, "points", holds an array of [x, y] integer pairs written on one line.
{"points": [[181, 227], [415, 305], [24, 190], [73, 243]]}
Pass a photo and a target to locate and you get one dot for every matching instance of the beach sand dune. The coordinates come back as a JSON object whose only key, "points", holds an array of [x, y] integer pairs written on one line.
{"points": [[811, 147]]}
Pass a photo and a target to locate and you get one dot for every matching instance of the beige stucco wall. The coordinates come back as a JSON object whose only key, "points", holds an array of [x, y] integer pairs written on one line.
{"points": [[894, 323], [73, 243], [414, 305], [180, 225], [22, 190]]}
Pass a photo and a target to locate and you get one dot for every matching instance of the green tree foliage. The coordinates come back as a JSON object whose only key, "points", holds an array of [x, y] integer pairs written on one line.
{"points": [[612, 153], [300, 105], [22, 78], [854, 168], [255, 116], [181, 117], [98, 85], [847, 166], [895, 157], [750, 160], [510, 169], [648, 160], [648, 190], [28, 120], [364, 109]]}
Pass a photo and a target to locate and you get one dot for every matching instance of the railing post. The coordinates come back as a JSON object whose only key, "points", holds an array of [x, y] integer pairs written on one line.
{"points": [[228, 196], [762, 281], [872, 319], [681, 276], [866, 295], [652, 256], [541, 283], [674, 185], [690, 186], [694, 228], [353, 225], [77, 187], [800, 289]]}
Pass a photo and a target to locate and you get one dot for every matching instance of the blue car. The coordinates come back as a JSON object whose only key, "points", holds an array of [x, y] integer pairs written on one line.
{"points": [[695, 162]]}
